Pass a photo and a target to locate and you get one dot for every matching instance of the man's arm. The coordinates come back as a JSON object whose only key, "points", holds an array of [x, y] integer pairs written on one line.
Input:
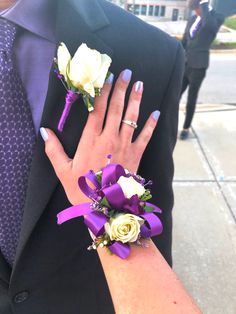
{"points": [[211, 22], [157, 162]]}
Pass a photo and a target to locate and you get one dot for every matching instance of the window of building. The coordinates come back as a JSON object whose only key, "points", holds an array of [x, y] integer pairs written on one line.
{"points": [[130, 7], [156, 12], [143, 10], [163, 10], [150, 10], [136, 9]]}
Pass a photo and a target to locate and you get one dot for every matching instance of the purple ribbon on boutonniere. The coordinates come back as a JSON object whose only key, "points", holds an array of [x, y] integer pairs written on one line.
{"points": [[109, 189], [71, 97]]}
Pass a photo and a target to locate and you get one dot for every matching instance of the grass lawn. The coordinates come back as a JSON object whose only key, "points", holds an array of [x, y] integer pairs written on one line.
{"points": [[231, 22], [218, 45]]}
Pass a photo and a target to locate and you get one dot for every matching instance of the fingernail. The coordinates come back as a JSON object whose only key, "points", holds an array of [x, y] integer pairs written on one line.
{"points": [[44, 134], [139, 87], [126, 75], [110, 78], [156, 114]]}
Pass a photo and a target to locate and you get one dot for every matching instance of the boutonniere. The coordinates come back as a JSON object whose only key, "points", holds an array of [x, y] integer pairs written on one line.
{"points": [[83, 75]]}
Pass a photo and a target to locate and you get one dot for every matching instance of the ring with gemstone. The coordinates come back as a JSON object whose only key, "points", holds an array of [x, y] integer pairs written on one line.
{"points": [[130, 123]]}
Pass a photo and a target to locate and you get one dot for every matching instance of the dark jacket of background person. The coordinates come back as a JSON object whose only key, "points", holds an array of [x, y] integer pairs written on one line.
{"points": [[197, 48], [53, 271]]}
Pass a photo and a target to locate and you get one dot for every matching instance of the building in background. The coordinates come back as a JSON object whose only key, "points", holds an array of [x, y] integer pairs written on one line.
{"points": [[151, 10], [170, 10]]}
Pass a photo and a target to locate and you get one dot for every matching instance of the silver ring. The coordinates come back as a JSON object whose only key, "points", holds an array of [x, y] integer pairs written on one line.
{"points": [[130, 123]]}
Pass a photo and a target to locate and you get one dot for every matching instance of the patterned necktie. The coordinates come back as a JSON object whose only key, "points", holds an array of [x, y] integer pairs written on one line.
{"points": [[17, 139]]}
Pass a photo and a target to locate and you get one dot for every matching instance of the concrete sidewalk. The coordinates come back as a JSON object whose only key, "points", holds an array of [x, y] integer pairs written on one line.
{"points": [[204, 238]]}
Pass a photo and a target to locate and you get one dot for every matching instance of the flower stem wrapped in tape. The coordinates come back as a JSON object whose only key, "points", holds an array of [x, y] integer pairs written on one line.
{"points": [[118, 214]]}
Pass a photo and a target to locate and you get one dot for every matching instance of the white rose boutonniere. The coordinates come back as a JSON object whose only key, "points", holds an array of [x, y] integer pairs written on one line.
{"points": [[124, 228], [84, 74]]}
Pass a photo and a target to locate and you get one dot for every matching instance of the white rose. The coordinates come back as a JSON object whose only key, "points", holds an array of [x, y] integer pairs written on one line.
{"points": [[63, 59], [130, 187], [105, 64], [88, 69], [124, 228]]}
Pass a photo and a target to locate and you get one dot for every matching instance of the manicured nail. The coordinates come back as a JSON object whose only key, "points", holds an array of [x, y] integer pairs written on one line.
{"points": [[44, 134], [139, 87], [126, 75], [156, 114], [110, 78]]}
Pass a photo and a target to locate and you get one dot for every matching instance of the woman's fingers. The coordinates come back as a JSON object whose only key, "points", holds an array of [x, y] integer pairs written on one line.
{"points": [[132, 112], [56, 154], [116, 106], [146, 133], [96, 118]]}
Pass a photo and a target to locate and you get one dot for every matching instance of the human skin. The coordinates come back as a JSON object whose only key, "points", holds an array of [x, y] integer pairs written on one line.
{"points": [[115, 139], [144, 282], [5, 4], [195, 6]]}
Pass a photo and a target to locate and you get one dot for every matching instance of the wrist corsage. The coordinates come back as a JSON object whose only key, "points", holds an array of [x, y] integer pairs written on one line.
{"points": [[118, 214], [84, 75]]}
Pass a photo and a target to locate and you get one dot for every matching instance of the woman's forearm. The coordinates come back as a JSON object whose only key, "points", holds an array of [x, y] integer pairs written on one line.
{"points": [[144, 283]]}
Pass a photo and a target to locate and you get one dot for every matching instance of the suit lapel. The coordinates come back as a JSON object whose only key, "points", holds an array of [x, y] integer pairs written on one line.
{"points": [[5, 270], [72, 29]]}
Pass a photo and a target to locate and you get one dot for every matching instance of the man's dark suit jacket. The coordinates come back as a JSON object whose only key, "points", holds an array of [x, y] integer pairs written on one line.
{"points": [[197, 48], [53, 271]]}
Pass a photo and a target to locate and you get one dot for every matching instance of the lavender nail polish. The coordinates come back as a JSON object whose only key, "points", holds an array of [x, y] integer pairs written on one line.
{"points": [[110, 79], [156, 114], [138, 87], [126, 75], [44, 134]]}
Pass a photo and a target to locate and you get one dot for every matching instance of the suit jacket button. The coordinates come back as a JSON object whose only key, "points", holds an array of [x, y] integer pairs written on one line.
{"points": [[21, 296]]}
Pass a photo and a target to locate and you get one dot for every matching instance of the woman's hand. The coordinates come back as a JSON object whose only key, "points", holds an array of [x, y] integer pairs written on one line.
{"points": [[100, 139]]}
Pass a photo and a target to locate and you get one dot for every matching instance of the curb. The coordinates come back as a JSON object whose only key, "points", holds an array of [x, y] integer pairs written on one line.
{"points": [[225, 51]]}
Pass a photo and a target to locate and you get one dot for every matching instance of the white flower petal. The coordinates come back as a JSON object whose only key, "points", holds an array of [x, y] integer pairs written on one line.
{"points": [[63, 59], [131, 187], [124, 228], [105, 64], [88, 69]]}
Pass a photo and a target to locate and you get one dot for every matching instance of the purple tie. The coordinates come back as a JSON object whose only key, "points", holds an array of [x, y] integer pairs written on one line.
{"points": [[17, 139], [193, 32]]}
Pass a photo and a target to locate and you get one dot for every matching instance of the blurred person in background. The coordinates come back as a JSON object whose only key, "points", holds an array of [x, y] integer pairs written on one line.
{"points": [[200, 32]]}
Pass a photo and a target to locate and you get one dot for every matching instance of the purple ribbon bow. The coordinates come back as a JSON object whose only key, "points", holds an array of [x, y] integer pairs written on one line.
{"points": [[111, 190]]}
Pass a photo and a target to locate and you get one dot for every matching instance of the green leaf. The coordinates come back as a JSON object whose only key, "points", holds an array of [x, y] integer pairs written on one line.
{"points": [[148, 209], [97, 91], [146, 196], [112, 213], [89, 102], [109, 251], [104, 202], [99, 177], [108, 74]]}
